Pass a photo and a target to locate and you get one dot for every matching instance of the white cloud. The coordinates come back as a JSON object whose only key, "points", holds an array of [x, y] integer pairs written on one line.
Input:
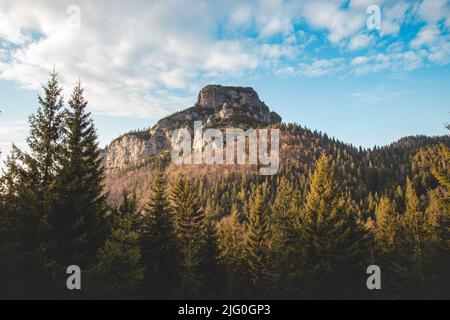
{"points": [[440, 54], [434, 10], [378, 95], [396, 47], [393, 62], [11, 132], [275, 17], [358, 42], [229, 57], [242, 15], [360, 60], [16, 129], [285, 71], [123, 53], [338, 22], [131, 56], [322, 67], [393, 17], [426, 36]]}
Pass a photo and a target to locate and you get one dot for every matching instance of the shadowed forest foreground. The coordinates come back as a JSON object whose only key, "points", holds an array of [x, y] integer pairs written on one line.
{"points": [[310, 232]]}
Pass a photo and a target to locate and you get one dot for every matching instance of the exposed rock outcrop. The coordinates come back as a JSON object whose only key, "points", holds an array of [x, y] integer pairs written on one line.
{"points": [[217, 106]]}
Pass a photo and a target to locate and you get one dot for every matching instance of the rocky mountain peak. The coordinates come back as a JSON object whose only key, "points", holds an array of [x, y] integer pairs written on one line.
{"points": [[213, 96], [217, 107]]}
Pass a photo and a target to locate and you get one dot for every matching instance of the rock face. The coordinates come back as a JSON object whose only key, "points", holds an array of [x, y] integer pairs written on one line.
{"points": [[217, 107], [215, 96]]}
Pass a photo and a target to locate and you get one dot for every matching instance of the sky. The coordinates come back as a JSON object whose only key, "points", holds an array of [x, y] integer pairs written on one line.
{"points": [[366, 72]]}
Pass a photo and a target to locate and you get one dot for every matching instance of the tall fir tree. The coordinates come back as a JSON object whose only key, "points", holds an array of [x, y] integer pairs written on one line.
{"points": [[210, 266], [40, 166], [444, 178], [190, 227], [230, 242], [438, 216], [334, 250], [32, 193], [385, 241], [257, 249], [158, 243], [77, 219], [284, 236], [46, 131], [410, 260], [11, 234], [386, 226]]}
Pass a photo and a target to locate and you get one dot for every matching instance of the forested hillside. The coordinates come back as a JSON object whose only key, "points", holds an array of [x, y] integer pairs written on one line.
{"points": [[157, 230]]}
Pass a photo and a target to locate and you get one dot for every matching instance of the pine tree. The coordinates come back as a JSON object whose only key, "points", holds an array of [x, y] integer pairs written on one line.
{"points": [[117, 272], [334, 249], [189, 228], [77, 219], [158, 244], [257, 250]]}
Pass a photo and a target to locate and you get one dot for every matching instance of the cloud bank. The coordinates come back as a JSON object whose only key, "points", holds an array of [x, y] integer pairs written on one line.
{"points": [[148, 58]]}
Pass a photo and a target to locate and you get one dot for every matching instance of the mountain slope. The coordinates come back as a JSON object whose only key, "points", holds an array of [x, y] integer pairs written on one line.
{"points": [[130, 159]]}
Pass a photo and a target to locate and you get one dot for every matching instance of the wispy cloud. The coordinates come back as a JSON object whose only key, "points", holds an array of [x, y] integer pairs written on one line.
{"points": [[379, 94], [323, 67]]}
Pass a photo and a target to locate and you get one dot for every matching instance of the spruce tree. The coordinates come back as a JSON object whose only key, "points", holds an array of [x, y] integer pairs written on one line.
{"points": [[190, 229], [33, 194], [41, 165], [284, 235], [45, 132], [412, 248], [444, 178], [438, 223], [334, 251], [77, 219], [10, 235], [386, 226], [440, 220], [117, 272], [385, 242], [38, 168], [158, 243], [209, 266], [230, 241], [257, 250]]}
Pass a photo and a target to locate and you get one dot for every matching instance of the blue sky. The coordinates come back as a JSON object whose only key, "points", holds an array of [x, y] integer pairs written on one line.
{"points": [[335, 66]]}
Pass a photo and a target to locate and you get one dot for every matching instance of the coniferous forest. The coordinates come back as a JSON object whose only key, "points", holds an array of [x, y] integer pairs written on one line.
{"points": [[310, 232]]}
